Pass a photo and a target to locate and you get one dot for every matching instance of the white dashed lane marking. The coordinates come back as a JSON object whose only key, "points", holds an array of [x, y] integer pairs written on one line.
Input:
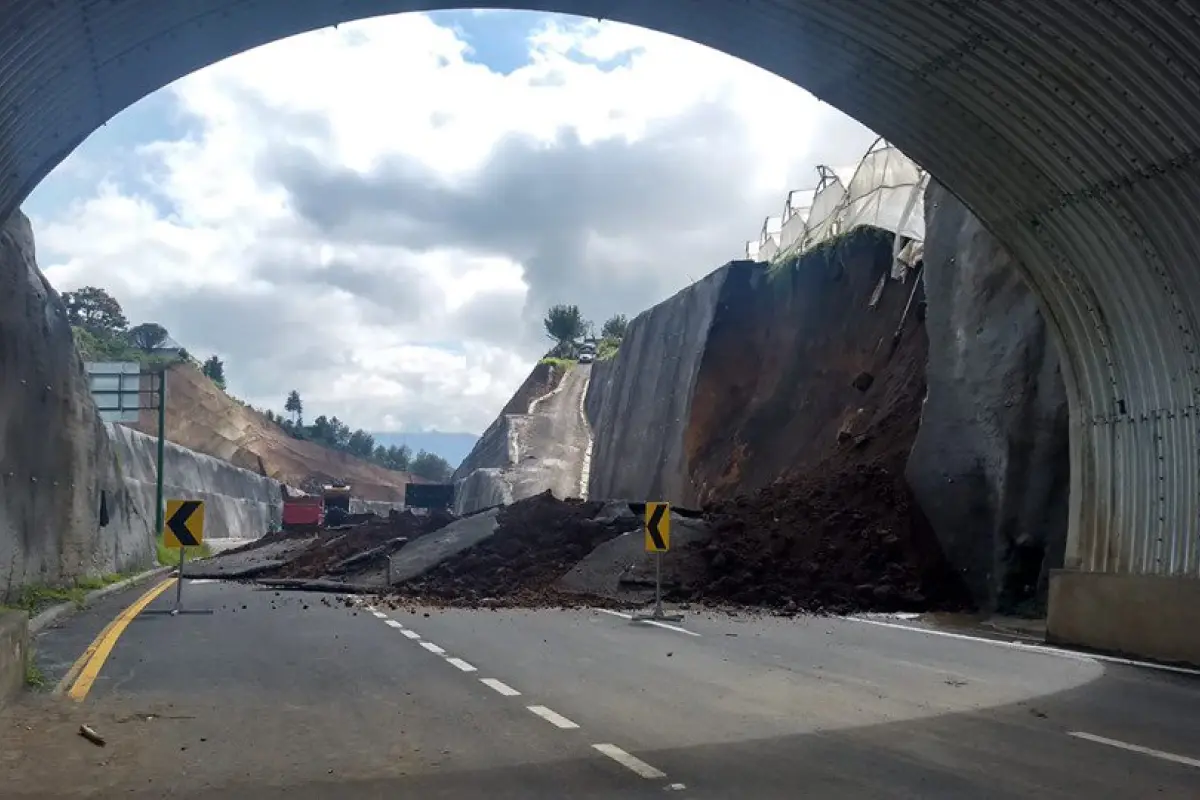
{"points": [[553, 717], [500, 686], [630, 762], [622, 757]]}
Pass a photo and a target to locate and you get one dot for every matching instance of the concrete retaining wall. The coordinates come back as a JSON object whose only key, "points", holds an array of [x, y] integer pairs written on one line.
{"points": [[238, 504], [1143, 615], [639, 403], [14, 650], [57, 470]]}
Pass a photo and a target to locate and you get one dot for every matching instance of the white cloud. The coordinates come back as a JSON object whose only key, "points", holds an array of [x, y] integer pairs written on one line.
{"points": [[369, 215]]}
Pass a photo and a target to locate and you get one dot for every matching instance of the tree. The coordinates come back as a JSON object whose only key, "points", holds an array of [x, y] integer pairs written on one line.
{"points": [[399, 458], [615, 327], [564, 324], [432, 467], [339, 433], [95, 310], [147, 336], [214, 370], [361, 443], [321, 430], [294, 406]]}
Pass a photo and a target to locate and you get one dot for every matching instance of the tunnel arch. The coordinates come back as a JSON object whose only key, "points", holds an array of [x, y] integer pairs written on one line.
{"points": [[1071, 128]]}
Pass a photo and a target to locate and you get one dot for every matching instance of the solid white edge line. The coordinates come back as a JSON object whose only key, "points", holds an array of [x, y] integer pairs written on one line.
{"points": [[1135, 748], [411, 634], [655, 623], [500, 686], [1031, 648], [553, 717], [391, 623], [676, 628], [610, 612], [463, 665], [433, 648], [630, 762]]}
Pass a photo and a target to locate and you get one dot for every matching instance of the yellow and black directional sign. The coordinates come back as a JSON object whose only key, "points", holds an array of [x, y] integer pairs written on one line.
{"points": [[185, 523], [658, 527]]}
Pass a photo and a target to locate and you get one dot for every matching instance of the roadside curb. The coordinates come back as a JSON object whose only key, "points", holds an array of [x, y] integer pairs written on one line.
{"points": [[62, 610]]}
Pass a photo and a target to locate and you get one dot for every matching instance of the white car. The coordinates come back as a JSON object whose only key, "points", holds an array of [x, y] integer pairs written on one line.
{"points": [[587, 357]]}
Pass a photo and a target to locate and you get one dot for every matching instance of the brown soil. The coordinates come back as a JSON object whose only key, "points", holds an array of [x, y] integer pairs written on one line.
{"points": [[538, 540], [836, 540], [779, 387], [201, 417]]}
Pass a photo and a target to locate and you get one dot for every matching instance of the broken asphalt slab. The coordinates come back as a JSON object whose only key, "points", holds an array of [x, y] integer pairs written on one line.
{"points": [[418, 557]]}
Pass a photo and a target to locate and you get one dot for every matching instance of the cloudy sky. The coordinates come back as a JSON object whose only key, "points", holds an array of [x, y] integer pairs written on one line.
{"points": [[379, 214]]}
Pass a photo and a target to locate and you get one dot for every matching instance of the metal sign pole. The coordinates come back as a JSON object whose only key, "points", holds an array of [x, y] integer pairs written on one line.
{"points": [[658, 609], [179, 581]]}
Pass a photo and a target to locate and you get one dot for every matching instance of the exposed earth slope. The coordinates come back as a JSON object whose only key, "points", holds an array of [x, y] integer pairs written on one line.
{"points": [[203, 418]]}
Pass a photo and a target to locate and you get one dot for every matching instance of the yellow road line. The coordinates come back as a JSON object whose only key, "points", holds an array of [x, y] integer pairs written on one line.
{"points": [[88, 665]]}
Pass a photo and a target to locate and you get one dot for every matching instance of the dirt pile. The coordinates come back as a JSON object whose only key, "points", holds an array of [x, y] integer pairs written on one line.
{"points": [[838, 539], [538, 540]]}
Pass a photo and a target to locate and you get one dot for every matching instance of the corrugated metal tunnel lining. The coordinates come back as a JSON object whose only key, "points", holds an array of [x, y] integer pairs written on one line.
{"points": [[1070, 127]]}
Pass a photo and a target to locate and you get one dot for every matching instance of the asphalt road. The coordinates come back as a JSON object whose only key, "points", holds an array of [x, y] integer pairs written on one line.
{"points": [[297, 694]]}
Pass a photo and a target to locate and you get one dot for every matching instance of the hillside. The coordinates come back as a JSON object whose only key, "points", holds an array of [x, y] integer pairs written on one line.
{"points": [[201, 417]]}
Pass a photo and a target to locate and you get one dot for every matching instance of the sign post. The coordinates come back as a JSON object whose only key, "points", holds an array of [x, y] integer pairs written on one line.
{"points": [[656, 528], [184, 528]]}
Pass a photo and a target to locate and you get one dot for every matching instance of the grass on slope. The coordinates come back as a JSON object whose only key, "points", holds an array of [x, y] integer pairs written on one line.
{"points": [[169, 556], [565, 364], [35, 599]]}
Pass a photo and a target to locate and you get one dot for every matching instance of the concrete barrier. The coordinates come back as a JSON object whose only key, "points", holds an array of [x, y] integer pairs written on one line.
{"points": [[238, 504], [1146, 616], [14, 650]]}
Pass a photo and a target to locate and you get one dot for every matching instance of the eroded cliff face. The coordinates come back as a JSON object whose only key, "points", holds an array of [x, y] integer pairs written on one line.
{"points": [[990, 466], [800, 367], [56, 461]]}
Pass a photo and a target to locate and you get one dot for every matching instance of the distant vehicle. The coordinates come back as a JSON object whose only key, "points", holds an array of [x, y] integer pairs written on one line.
{"points": [[587, 357]]}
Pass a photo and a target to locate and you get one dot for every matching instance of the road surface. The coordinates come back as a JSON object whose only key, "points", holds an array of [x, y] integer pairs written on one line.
{"points": [[298, 695]]}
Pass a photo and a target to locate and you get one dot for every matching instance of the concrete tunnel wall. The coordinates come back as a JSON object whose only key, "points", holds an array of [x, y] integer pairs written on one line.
{"points": [[1071, 128]]}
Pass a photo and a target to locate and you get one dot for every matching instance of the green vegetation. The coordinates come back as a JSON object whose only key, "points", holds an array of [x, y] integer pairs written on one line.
{"points": [[169, 556], [102, 332], [331, 432], [607, 349], [34, 677], [564, 364], [37, 598], [564, 325], [827, 249]]}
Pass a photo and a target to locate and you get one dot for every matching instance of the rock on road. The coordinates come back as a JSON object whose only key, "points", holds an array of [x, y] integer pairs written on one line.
{"points": [[295, 694]]}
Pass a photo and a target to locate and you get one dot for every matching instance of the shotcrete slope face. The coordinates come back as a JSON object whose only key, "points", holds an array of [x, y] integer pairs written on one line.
{"points": [[1071, 128]]}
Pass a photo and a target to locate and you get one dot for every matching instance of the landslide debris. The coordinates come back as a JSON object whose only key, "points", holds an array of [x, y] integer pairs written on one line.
{"points": [[343, 551], [837, 540], [537, 541]]}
